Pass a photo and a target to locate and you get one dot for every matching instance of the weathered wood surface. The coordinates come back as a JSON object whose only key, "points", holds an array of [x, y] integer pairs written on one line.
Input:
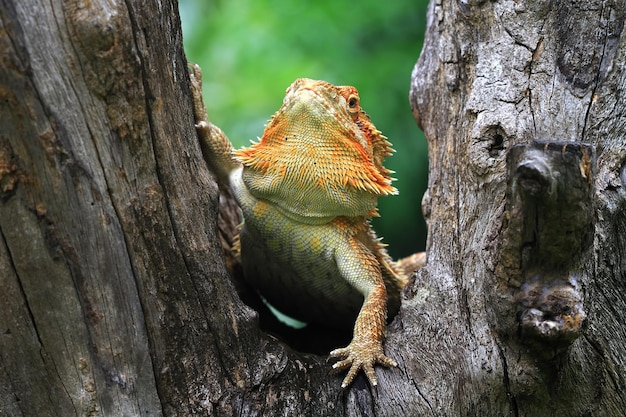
{"points": [[114, 296], [493, 75]]}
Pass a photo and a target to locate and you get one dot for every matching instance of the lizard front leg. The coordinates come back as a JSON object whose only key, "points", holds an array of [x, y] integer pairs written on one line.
{"points": [[216, 148], [366, 348]]}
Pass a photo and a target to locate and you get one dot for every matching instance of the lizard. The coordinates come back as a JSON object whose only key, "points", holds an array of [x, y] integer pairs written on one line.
{"points": [[307, 190]]}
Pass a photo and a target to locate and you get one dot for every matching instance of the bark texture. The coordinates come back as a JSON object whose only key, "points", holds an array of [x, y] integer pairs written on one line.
{"points": [[114, 295], [115, 301], [523, 106]]}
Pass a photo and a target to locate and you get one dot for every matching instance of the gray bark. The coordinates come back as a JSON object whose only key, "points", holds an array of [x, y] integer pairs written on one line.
{"points": [[114, 295], [525, 276]]}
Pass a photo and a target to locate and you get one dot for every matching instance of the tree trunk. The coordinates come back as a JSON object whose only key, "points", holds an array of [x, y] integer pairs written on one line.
{"points": [[114, 295], [523, 106]]}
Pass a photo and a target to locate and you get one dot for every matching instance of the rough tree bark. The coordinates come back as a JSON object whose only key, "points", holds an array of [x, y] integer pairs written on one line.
{"points": [[523, 107], [114, 296]]}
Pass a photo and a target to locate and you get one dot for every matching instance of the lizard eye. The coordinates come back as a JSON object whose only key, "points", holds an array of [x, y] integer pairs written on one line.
{"points": [[353, 103]]}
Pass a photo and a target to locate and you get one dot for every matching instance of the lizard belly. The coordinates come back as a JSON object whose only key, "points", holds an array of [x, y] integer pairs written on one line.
{"points": [[293, 266]]}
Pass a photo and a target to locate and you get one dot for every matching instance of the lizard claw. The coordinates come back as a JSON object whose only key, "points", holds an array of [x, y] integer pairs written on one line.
{"points": [[359, 356]]}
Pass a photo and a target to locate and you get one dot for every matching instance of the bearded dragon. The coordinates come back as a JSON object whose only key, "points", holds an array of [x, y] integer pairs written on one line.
{"points": [[307, 189]]}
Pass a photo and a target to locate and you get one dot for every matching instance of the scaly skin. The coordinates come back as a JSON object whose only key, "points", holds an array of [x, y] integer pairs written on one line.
{"points": [[307, 190]]}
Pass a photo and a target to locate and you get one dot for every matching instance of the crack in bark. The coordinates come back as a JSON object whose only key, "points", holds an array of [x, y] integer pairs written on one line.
{"points": [[31, 316], [33, 325], [507, 382], [536, 53], [596, 80], [416, 386], [423, 397], [600, 350]]}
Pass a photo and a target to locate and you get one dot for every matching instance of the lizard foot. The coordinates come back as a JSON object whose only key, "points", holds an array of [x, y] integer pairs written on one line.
{"points": [[363, 354], [195, 76]]}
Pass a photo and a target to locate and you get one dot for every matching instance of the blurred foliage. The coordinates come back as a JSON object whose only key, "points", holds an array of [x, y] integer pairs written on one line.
{"points": [[251, 51]]}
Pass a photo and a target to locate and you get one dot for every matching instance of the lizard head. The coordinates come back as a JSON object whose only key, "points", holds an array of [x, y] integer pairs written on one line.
{"points": [[320, 155]]}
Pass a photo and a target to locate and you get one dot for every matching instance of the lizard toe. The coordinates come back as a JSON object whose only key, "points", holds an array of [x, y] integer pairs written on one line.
{"points": [[358, 358]]}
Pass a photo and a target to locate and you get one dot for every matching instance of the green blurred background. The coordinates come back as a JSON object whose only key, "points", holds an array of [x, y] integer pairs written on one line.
{"points": [[251, 51]]}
